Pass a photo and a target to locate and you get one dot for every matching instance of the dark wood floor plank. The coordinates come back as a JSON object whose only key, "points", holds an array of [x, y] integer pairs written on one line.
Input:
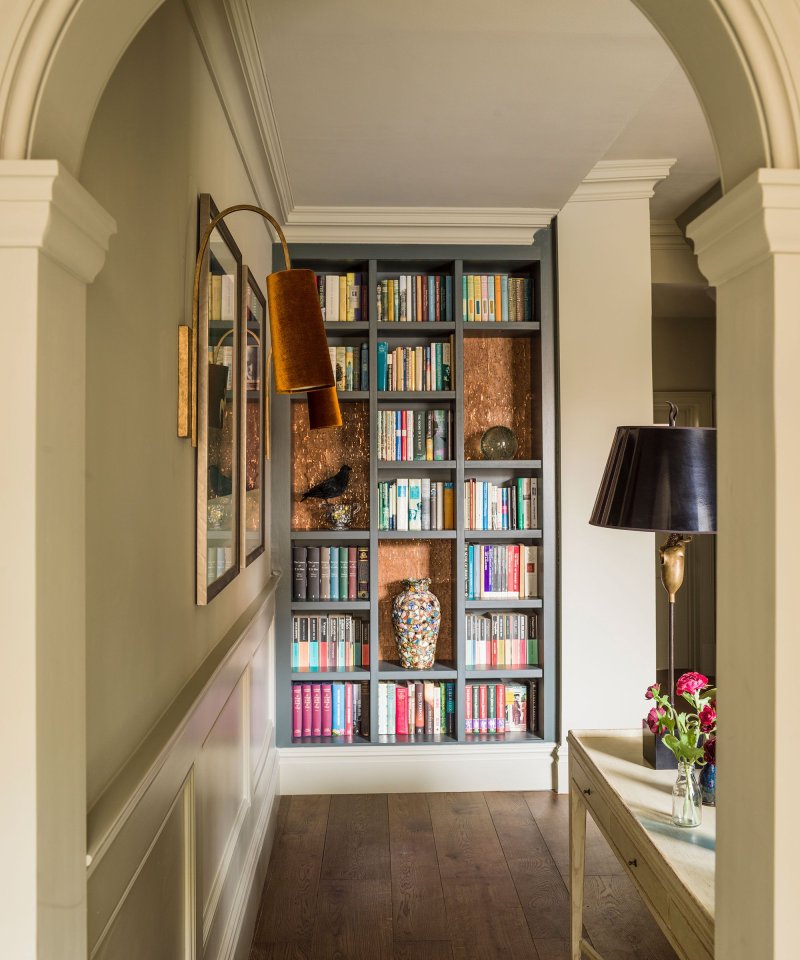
{"points": [[288, 903], [487, 921], [354, 920], [357, 845], [619, 924], [281, 951], [417, 902], [540, 887], [551, 812], [422, 950], [553, 949], [466, 841]]}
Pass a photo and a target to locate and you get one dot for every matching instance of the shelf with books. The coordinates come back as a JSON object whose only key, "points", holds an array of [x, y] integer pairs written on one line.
{"points": [[501, 329], [502, 535], [345, 536], [409, 740], [417, 534], [441, 670], [386, 396], [342, 741], [345, 328], [501, 466], [416, 329], [329, 606], [311, 675], [477, 673], [343, 395], [492, 603], [404, 466]]}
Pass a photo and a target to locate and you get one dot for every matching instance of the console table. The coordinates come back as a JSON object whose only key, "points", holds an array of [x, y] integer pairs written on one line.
{"points": [[672, 867]]}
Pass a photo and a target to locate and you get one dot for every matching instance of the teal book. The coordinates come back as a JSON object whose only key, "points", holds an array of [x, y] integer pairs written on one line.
{"points": [[431, 299], [419, 434], [343, 568], [334, 573], [383, 355], [364, 366], [464, 298], [337, 711], [504, 296], [448, 297]]}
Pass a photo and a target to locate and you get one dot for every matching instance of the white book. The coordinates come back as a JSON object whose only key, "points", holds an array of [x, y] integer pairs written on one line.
{"points": [[402, 505], [440, 504], [425, 495], [391, 708], [534, 504], [403, 299], [437, 710], [409, 434], [383, 710], [228, 306], [530, 579], [414, 504], [331, 297]]}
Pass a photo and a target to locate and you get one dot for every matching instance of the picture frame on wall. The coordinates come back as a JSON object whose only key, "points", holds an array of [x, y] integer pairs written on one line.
{"points": [[253, 420]]}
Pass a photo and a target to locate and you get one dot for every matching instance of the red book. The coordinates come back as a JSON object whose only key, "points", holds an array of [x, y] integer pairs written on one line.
{"points": [[401, 713], [365, 645], [352, 573], [419, 299], [419, 708], [316, 710], [483, 719], [306, 709], [323, 655], [515, 569], [327, 710], [348, 709], [468, 711], [501, 708], [437, 281], [297, 710], [403, 435], [494, 651]]}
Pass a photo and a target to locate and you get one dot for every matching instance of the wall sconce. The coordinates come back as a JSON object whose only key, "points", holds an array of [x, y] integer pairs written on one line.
{"points": [[300, 358]]}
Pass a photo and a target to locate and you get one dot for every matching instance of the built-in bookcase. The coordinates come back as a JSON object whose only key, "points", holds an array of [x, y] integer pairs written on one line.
{"points": [[502, 372]]}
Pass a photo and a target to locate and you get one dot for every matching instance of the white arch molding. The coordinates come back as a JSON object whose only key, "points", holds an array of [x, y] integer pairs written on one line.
{"points": [[743, 59]]}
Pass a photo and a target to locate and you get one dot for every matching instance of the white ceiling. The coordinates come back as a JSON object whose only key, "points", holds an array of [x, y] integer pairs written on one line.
{"points": [[428, 103]]}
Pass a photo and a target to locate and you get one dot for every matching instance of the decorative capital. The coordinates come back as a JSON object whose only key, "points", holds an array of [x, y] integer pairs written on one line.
{"points": [[758, 218], [42, 206], [622, 180]]}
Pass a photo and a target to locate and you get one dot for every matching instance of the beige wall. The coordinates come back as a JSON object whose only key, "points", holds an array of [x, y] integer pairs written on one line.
{"points": [[607, 589], [158, 139], [683, 353]]}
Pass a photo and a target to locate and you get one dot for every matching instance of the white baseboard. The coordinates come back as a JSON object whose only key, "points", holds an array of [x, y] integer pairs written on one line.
{"points": [[419, 769]]}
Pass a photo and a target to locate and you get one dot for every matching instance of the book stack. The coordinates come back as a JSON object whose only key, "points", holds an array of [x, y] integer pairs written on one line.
{"points": [[342, 296], [415, 435], [218, 560], [417, 708], [501, 571], [513, 506], [330, 710], [350, 367], [415, 368], [329, 643], [500, 708], [415, 299], [224, 356], [496, 298], [330, 573], [221, 298], [415, 504], [502, 640]]}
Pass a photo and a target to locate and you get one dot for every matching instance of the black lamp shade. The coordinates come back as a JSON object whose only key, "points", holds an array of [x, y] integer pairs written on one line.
{"points": [[660, 478]]}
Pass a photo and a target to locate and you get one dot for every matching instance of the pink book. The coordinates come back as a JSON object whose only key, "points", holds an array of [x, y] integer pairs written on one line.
{"points": [[323, 655], [327, 710], [483, 720], [501, 708], [306, 709], [316, 710], [401, 713], [352, 573], [297, 710], [348, 709]]}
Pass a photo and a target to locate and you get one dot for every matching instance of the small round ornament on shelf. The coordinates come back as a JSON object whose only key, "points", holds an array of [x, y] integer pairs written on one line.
{"points": [[499, 443]]}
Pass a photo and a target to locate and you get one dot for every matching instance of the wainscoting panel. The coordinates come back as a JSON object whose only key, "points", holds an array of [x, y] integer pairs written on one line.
{"points": [[177, 845]]}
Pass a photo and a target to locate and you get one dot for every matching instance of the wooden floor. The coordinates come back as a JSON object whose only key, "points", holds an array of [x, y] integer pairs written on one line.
{"points": [[459, 876]]}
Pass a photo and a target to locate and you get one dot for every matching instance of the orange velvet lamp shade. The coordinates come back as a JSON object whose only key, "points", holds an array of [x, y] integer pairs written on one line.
{"points": [[299, 346], [323, 409]]}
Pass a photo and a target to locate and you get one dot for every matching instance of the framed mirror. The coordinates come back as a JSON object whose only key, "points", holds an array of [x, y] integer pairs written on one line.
{"points": [[253, 366], [218, 388]]}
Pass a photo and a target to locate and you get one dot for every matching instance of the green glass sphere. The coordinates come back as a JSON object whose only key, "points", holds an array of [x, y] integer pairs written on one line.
{"points": [[499, 443]]}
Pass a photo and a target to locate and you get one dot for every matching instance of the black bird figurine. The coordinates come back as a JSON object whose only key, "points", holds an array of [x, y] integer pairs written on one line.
{"points": [[334, 486]]}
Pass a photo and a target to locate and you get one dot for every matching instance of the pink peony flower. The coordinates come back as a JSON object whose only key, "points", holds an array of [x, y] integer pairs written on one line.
{"points": [[651, 690], [708, 719], [654, 718], [710, 750], [690, 683]]}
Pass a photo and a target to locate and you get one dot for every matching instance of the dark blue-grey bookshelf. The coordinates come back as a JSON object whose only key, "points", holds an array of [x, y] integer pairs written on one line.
{"points": [[375, 261]]}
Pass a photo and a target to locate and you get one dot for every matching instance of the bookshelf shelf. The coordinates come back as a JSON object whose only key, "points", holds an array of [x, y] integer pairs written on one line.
{"points": [[501, 373], [343, 395]]}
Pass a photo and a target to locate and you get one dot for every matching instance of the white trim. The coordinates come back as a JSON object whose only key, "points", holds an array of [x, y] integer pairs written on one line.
{"points": [[622, 180], [667, 235], [418, 769], [756, 219]]}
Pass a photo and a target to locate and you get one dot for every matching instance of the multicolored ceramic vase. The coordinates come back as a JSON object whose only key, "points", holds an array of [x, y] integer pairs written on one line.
{"points": [[416, 616]]}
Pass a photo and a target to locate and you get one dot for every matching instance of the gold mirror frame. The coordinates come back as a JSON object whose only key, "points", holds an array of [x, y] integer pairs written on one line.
{"points": [[249, 284]]}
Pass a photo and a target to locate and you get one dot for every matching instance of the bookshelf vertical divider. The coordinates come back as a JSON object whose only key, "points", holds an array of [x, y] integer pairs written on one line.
{"points": [[372, 260]]}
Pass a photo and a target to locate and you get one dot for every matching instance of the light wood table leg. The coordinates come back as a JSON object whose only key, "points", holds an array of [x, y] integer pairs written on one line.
{"points": [[577, 863]]}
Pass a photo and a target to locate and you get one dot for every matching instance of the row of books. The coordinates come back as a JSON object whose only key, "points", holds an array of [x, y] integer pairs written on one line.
{"points": [[511, 506], [501, 571], [342, 297], [350, 367], [329, 643], [502, 640], [500, 708], [415, 298], [330, 710], [218, 560], [330, 573], [422, 708], [415, 504], [221, 297], [415, 368], [415, 435], [224, 355], [496, 298]]}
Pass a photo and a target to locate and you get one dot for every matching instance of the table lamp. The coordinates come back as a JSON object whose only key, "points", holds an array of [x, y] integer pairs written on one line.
{"points": [[662, 478]]}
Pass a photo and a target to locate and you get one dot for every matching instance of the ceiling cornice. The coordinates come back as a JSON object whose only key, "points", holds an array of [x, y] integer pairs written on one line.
{"points": [[484, 225], [622, 180], [667, 235]]}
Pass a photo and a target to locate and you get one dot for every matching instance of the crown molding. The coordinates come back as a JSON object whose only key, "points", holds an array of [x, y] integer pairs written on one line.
{"points": [[667, 235], [480, 225], [42, 206], [622, 180], [758, 218]]}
